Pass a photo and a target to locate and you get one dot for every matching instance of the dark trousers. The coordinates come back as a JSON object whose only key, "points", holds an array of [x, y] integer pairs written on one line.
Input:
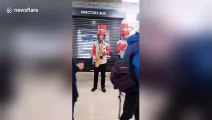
{"points": [[102, 69], [131, 106]]}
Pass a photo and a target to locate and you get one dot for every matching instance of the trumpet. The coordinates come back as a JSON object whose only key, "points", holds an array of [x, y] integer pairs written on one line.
{"points": [[99, 56]]}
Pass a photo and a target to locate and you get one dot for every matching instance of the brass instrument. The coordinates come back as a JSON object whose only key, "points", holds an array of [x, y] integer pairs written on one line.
{"points": [[99, 56]]}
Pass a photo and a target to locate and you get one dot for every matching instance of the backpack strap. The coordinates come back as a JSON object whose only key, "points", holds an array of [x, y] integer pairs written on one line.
{"points": [[131, 50], [134, 46]]}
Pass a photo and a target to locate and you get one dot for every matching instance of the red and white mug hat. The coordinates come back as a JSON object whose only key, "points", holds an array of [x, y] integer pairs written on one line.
{"points": [[124, 29], [102, 29]]}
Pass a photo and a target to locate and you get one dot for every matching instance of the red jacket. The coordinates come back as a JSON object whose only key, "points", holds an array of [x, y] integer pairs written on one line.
{"points": [[95, 50]]}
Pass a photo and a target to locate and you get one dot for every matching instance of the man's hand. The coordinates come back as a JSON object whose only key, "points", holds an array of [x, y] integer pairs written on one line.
{"points": [[104, 53], [94, 57], [124, 46], [121, 46], [80, 66]]}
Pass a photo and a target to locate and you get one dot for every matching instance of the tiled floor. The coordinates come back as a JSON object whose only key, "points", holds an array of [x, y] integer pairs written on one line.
{"points": [[104, 106], [47, 97], [96, 105], [40, 96]]}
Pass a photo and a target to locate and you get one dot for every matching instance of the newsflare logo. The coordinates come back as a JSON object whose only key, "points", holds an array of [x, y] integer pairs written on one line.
{"points": [[21, 10], [9, 10]]}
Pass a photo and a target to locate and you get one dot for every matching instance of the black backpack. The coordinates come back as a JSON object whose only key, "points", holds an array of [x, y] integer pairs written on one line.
{"points": [[121, 75]]}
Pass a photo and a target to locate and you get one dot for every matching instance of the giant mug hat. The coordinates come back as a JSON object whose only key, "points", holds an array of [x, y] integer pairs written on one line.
{"points": [[124, 29], [102, 29]]}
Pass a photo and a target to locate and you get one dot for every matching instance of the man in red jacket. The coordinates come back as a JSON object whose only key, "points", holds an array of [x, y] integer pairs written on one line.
{"points": [[100, 45], [122, 43]]}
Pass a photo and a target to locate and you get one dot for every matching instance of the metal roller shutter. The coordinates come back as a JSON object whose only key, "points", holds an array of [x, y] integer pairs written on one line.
{"points": [[85, 32]]}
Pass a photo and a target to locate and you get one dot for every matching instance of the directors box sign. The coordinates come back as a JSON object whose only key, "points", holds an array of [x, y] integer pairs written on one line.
{"points": [[96, 12], [101, 13]]}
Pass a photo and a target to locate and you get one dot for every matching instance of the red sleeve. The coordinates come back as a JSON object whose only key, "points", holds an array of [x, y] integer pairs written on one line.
{"points": [[107, 50], [119, 47], [124, 46], [93, 50]]}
